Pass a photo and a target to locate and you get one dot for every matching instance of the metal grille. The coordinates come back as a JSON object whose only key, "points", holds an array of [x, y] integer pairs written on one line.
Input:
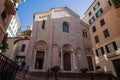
{"points": [[8, 68]]}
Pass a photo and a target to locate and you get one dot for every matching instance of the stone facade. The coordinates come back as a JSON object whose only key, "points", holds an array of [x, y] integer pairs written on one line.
{"points": [[59, 38]]}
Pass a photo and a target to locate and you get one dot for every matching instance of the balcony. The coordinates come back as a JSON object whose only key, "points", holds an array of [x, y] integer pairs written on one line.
{"points": [[10, 7], [114, 55]]}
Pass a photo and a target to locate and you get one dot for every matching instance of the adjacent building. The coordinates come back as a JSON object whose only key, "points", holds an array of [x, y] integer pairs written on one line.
{"points": [[18, 46], [7, 10], [59, 38], [21, 46], [14, 27], [104, 25]]}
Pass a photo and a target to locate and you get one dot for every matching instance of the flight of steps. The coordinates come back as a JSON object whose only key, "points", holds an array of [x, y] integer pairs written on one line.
{"points": [[72, 76]]}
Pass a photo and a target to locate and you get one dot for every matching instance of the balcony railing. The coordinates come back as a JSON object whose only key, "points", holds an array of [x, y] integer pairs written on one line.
{"points": [[115, 54], [8, 68]]}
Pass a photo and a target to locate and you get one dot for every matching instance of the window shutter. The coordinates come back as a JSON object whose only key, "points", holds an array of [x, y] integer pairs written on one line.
{"points": [[109, 3], [94, 8], [114, 45], [101, 10], [96, 15], [89, 21], [97, 52], [107, 49], [98, 3], [102, 50]]}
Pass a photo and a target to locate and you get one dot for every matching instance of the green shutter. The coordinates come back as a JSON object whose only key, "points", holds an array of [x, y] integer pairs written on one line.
{"points": [[98, 3], [107, 49], [96, 52], [102, 50], [114, 45]]}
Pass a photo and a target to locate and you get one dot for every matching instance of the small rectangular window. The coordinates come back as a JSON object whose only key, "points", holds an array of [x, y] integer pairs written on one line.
{"points": [[91, 20], [96, 6], [90, 13], [23, 48], [99, 13], [106, 33], [4, 14], [43, 24], [85, 33], [102, 22], [111, 47], [100, 51], [109, 3], [93, 28], [96, 39]]}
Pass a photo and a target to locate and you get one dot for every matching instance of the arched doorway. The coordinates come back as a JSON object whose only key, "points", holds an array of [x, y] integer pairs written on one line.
{"points": [[40, 48], [39, 61], [67, 51], [67, 61]]}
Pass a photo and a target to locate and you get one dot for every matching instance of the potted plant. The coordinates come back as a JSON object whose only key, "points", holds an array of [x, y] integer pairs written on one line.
{"points": [[98, 68], [55, 69], [84, 70]]}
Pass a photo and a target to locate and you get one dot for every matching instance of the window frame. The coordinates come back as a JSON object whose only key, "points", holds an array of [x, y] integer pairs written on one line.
{"points": [[96, 6], [94, 29], [43, 24], [23, 47], [96, 39], [106, 33], [111, 47], [100, 51], [102, 22], [85, 35], [65, 27], [99, 13], [90, 13], [91, 20], [4, 14]]}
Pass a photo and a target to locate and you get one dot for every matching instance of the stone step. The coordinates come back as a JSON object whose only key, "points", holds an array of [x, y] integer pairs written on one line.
{"points": [[72, 75]]}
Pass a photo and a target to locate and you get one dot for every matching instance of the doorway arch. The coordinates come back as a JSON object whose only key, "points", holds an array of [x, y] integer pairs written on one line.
{"points": [[67, 51], [40, 48]]}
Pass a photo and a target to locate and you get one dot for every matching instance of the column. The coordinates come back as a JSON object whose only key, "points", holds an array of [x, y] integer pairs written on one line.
{"points": [[61, 60], [74, 62]]}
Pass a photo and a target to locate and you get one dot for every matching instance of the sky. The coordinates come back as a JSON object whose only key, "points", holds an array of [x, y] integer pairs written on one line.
{"points": [[27, 9]]}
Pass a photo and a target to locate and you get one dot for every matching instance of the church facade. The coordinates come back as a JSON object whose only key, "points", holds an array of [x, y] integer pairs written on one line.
{"points": [[59, 38]]}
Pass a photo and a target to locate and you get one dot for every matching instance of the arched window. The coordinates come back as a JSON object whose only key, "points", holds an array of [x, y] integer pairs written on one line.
{"points": [[85, 33], [65, 27]]}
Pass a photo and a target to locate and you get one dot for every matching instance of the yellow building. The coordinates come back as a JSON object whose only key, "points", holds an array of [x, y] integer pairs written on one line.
{"points": [[116, 6], [104, 29]]}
